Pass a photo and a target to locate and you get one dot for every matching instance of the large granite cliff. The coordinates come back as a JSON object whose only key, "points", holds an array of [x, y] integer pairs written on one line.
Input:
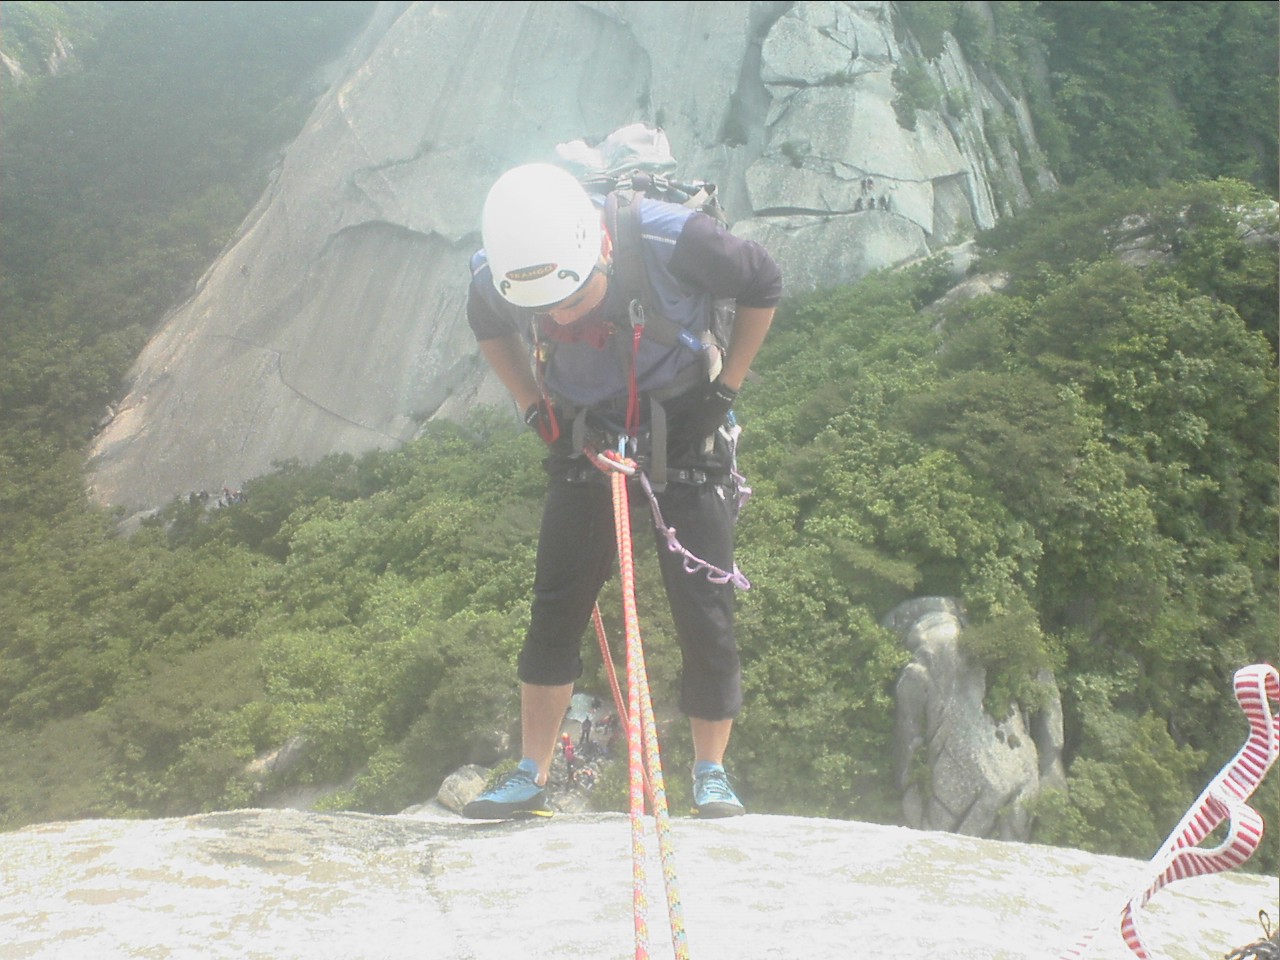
{"points": [[333, 322]]}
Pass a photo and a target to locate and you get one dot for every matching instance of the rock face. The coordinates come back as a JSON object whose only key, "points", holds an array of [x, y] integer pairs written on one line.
{"points": [[293, 886], [959, 770], [333, 322]]}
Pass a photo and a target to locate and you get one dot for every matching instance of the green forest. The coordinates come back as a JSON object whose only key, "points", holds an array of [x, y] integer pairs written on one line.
{"points": [[1088, 457]]}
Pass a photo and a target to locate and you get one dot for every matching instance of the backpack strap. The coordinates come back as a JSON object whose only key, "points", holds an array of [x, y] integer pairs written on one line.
{"points": [[622, 220], [657, 445]]}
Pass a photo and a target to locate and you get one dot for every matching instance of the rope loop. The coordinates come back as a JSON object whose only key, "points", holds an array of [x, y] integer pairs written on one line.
{"points": [[610, 461], [1224, 800]]}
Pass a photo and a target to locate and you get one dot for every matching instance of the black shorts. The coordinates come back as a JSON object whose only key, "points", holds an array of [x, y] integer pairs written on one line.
{"points": [[576, 552]]}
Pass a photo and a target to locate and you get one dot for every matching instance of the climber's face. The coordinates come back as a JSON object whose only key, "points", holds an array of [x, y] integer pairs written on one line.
{"points": [[581, 302]]}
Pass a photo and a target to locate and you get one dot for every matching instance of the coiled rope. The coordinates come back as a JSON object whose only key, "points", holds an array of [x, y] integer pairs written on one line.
{"points": [[1224, 799]]}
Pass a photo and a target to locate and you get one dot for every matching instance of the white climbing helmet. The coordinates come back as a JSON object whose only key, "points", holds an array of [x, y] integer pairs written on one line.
{"points": [[542, 234]]}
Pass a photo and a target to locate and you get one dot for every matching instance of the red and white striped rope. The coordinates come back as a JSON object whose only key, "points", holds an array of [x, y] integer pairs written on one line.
{"points": [[1224, 800]]}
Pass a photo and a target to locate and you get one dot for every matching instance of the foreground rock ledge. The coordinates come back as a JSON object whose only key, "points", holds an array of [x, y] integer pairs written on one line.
{"points": [[283, 884]]}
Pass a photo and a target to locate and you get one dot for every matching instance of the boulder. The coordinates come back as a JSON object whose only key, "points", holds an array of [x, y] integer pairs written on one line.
{"points": [[462, 786], [959, 769]]}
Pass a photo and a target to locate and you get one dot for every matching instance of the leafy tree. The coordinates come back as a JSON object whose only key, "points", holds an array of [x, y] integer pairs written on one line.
{"points": [[1146, 94], [42, 38]]}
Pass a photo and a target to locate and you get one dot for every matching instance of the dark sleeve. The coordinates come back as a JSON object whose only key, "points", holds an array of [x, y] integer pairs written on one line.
{"points": [[708, 256], [485, 310]]}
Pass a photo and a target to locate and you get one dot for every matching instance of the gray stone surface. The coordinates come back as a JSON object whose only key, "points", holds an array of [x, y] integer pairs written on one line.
{"points": [[333, 321], [285, 885]]}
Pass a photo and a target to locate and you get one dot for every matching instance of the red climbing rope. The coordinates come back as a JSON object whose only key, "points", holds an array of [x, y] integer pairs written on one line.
{"points": [[644, 762], [1224, 799]]}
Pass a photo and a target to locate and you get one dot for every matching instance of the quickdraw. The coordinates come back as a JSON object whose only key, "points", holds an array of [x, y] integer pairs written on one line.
{"points": [[692, 564], [610, 461], [1224, 799]]}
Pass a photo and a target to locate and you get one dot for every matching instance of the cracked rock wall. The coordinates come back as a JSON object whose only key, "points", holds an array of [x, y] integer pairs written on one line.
{"points": [[333, 322]]}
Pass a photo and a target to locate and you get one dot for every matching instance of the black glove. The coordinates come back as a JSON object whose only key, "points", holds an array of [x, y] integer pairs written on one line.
{"points": [[705, 416], [541, 416]]}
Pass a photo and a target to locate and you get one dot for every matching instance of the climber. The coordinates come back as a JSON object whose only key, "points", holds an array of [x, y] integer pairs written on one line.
{"points": [[566, 745], [549, 278]]}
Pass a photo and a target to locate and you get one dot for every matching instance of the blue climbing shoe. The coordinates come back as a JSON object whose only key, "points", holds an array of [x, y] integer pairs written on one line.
{"points": [[515, 795], [713, 797]]}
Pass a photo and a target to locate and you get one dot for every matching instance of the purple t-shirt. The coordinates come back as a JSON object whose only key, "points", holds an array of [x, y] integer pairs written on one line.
{"points": [[692, 261]]}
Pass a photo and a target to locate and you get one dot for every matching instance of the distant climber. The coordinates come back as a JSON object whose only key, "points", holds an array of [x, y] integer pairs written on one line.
{"points": [[566, 744]]}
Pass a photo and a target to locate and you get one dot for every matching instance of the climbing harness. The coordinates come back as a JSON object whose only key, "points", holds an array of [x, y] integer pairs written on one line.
{"points": [[1224, 799]]}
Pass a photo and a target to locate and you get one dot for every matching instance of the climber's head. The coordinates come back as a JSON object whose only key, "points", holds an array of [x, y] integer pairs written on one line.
{"points": [[543, 238]]}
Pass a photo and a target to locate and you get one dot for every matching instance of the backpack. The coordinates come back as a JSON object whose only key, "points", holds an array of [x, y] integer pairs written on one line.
{"points": [[629, 164], [637, 158]]}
